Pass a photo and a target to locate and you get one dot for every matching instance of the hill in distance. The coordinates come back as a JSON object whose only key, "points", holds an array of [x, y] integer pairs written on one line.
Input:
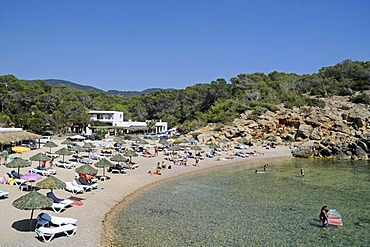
{"points": [[126, 94]]}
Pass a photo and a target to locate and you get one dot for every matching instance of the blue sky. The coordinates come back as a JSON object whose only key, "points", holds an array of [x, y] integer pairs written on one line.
{"points": [[135, 45]]}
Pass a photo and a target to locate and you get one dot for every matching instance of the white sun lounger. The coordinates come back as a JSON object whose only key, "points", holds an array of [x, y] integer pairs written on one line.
{"points": [[45, 219], [84, 187], [74, 189], [59, 207], [48, 234], [3, 194], [47, 172], [64, 164], [18, 181]]}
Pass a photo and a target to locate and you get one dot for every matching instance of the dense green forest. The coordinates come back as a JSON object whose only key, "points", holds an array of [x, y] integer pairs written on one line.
{"points": [[38, 106]]}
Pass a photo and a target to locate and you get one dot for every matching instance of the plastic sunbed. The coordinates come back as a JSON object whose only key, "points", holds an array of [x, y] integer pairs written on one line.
{"points": [[48, 234], [45, 219], [3, 194], [74, 189]]}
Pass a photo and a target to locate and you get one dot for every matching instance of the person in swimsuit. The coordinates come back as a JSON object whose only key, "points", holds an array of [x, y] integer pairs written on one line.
{"points": [[302, 172]]}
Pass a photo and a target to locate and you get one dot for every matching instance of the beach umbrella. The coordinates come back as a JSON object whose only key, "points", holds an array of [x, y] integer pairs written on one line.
{"points": [[163, 141], [18, 163], [51, 183], [103, 163], [20, 149], [212, 145], [130, 153], [88, 145], [39, 157], [67, 142], [78, 149], [243, 140], [143, 142], [183, 140], [31, 201], [136, 139], [196, 148], [63, 152], [118, 139], [224, 140], [31, 177], [50, 145], [174, 148], [118, 158], [86, 169]]}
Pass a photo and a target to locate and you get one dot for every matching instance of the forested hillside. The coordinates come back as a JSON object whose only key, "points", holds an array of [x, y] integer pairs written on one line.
{"points": [[38, 106]]}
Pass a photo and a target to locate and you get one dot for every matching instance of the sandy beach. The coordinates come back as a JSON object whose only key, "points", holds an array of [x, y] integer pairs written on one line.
{"points": [[99, 205]]}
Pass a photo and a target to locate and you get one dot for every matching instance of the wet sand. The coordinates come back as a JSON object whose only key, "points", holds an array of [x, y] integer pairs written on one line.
{"points": [[99, 206]]}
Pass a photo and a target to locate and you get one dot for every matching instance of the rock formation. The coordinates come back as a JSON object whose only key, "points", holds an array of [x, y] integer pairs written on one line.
{"points": [[339, 130]]}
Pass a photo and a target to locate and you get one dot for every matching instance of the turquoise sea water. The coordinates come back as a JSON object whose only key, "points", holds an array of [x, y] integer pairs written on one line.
{"points": [[236, 207]]}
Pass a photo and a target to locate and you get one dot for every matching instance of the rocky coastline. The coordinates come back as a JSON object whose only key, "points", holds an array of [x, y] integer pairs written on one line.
{"points": [[338, 130]]}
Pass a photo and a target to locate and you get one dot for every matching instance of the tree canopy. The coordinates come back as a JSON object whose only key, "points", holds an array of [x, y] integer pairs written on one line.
{"points": [[38, 106]]}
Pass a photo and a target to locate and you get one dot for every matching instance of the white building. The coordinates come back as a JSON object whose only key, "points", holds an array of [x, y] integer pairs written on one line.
{"points": [[115, 119]]}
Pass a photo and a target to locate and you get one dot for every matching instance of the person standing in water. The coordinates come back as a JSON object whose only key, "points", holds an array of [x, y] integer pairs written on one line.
{"points": [[302, 172]]}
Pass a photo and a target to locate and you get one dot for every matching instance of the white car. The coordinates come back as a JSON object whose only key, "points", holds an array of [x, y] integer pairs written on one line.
{"points": [[151, 135], [44, 139]]}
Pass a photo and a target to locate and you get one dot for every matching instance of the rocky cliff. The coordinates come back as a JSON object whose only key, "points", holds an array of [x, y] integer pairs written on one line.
{"points": [[339, 130]]}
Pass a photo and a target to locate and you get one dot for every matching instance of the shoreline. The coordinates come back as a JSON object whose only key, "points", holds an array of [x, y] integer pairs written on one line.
{"points": [[101, 205], [107, 232]]}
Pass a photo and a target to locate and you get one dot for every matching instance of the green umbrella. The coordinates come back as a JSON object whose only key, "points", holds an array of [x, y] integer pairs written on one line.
{"points": [[67, 142], [86, 169], [51, 183], [50, 145], [18, 163], [31, 201], [174, 148], [130, 153], [39, 157], [213, 146], [118, 139], [103, 163], [143, 142], [64, 151], [118, 158], [136, 139], [89, 145], [78, 149], [243, 140], [224, 140], [183, 140], [196, 148]]}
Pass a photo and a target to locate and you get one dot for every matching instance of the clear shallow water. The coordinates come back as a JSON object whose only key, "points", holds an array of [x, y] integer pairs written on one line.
{"points": [[236, 207]]}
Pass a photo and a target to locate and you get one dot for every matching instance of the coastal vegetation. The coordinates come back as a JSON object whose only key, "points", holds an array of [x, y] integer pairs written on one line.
{"points": [[38, 106]]}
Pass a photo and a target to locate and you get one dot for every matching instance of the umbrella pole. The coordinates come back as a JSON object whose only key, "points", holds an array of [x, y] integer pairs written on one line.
{"points": [[19, 169], [31, 219]]}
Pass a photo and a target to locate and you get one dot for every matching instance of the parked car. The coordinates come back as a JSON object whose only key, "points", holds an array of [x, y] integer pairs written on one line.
{"points": [[44, 139], [151, 135]]}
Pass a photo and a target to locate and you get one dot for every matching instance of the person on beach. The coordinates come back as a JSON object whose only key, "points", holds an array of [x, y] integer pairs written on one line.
{"points": [[324, 216], [51, 162], [163, 165], [265, 167], [5, 156], [197, 161], [302, 172]]}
